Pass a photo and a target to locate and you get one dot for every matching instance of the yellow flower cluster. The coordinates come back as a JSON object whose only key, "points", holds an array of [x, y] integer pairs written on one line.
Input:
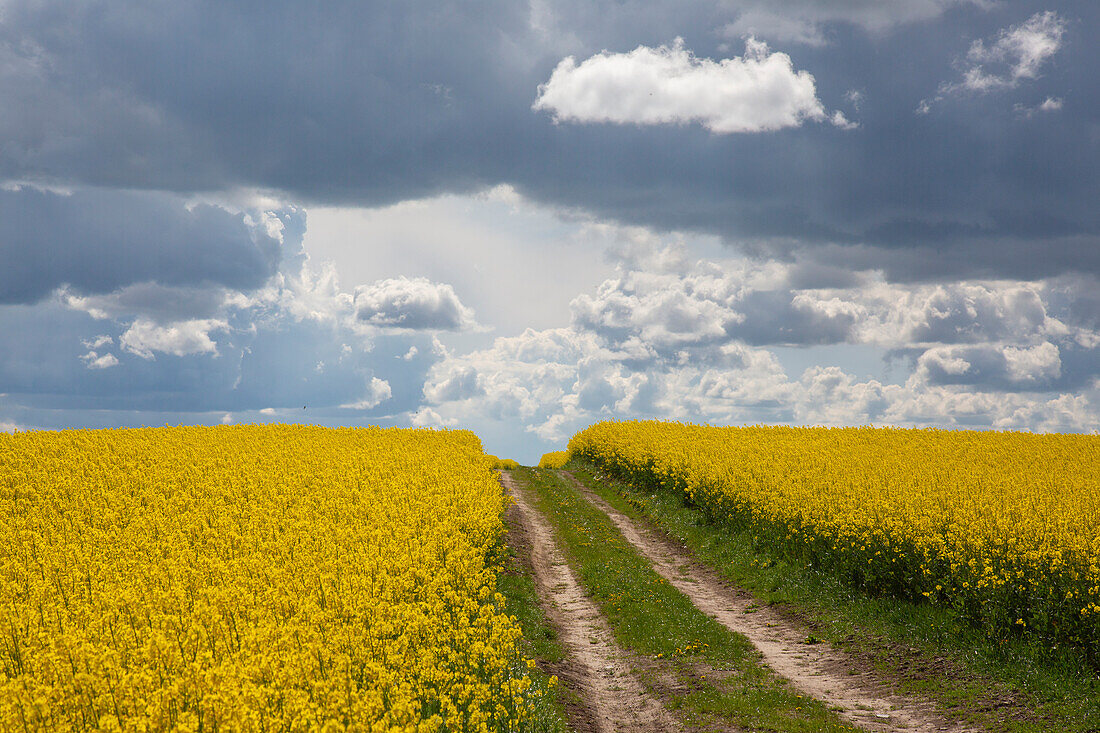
{"points": [[259, 578], [556, 459], [1004, 527]]}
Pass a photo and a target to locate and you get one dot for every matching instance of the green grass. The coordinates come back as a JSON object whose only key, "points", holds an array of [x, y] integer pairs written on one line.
{"points": [[1007, 686], [719, 674], [539, 641]]}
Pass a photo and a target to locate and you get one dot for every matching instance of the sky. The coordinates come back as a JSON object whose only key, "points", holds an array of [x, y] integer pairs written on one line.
{"points": [[524, 217]]}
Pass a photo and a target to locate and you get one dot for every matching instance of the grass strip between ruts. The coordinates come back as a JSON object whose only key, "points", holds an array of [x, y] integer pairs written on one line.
{"points": [[719, 675], [1014, 688]]}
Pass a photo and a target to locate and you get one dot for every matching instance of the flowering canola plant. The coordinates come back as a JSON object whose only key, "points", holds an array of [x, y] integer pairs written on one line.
{"points": [[279, 577], [554, 459], [1002, 526]]}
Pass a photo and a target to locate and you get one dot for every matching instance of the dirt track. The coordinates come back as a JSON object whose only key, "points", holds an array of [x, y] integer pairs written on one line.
{"points": [[595, 668], [816, 670]]}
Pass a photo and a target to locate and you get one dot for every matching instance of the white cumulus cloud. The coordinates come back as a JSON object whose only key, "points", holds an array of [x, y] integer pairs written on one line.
{"points": [[829, 396], [1033, 364], [669, 85], [378, 391], [414, 304], [144, 337]]}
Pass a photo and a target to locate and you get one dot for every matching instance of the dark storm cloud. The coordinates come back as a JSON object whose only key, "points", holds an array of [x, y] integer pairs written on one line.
{"points": [[1008, 256], [365, 101], [98, 241], [372, 102]]}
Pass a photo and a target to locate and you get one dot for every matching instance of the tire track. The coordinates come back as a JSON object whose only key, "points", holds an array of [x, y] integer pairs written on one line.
{"points": [[595, 668], [817, 671]]}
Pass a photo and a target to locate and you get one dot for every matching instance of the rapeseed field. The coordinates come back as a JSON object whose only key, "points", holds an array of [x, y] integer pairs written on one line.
{"points": [[1002, 526], [253, 578]]}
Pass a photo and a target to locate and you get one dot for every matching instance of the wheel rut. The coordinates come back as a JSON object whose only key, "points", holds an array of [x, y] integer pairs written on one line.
{"points": [[596, 668], [815, 670]]}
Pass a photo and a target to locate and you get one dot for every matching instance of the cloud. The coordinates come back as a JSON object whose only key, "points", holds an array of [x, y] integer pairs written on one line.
{"points": [[144, 337], [162, 303], [1032, 364], [920, 405], [554, 381], [897, 315], [378, 391], [209, 349], [662, 300], [157, 140], [572, 23], [829, 396], [97, 241], [672, 338], [758, 92], [98, 341], [807, 22], [444, 106], [1019, 51], [95, 361], [426, 417], [653, 341], [414, 304], [1050, 104], [1016, 54], [992, 367], [524, 379], [554, 394], [667, 336], [778, 26], [949, 254], [455, 384]]}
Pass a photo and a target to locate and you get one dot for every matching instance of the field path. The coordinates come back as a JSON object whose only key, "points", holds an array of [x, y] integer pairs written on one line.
{"points": [[814, 669], [595, 667]]}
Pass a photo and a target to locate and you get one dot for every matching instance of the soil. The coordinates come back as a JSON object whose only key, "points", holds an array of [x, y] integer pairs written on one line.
{"points": [[595, 668], [840, 680]]}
